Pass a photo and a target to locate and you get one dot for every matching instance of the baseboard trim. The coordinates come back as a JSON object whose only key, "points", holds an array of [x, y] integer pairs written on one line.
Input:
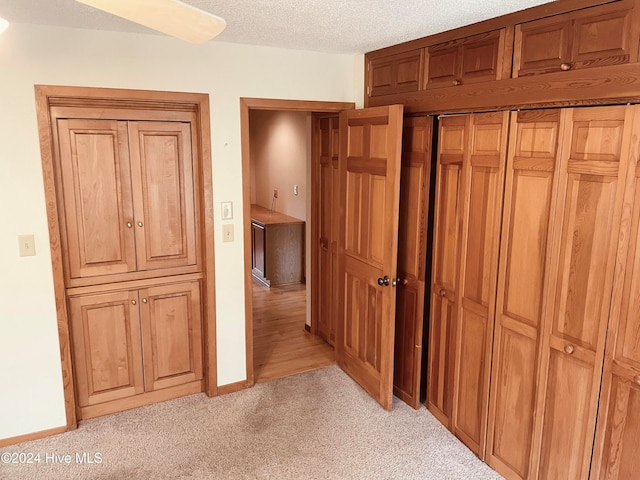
{"points": [[307, 328], [5, 442], [232, 387]]}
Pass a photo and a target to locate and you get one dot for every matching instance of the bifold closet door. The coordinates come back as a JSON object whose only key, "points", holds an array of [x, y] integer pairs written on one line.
{"points": [[527, 229], [616, 451], [595, 157]]}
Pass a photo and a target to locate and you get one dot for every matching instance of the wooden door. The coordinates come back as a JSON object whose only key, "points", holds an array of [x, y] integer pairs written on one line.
{"points": [[164, 204], [97, 210], [396, 73], [172, 334], [485, 157], [258, 252], [595, 158], [616, 448], [328, 194], [412, 257], [530, 198], [106, 346], [369, 166], [452, 141]]}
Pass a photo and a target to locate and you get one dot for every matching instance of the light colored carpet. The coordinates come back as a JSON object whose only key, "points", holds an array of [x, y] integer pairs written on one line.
{"points": [[316, 425]]}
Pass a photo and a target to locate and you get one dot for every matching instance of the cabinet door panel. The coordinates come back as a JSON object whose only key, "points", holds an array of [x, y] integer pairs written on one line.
{"points": [[96, 190], [478, 276], [482, 58], [443, 66], [601, 40], [396, 74], [595, 161], [530, 196], [412, 252], [164, 204], [171, 325], [542, 46], [106, 347]]}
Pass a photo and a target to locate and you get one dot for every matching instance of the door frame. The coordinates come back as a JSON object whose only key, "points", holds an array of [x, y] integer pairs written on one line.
{"points": [[48, 96], [246, 105]]}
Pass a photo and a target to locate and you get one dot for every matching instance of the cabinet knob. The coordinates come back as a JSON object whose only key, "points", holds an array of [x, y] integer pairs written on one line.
{"points": [[457, 82], [129, 224], [144, 300], [442, 292], [133, 302], [636, 379], [569, 349], [565, 67], [140, 224]]}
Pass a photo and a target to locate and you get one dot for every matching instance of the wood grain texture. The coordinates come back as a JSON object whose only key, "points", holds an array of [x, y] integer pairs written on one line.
{"points": [[368, 247], [247, 104], [412, 257]]}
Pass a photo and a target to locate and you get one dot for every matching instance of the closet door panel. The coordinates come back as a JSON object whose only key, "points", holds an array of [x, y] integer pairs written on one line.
{"points": [[595, 159], [530, 196], [478, 277], [96, 188], [446, 241], [162, 166]]}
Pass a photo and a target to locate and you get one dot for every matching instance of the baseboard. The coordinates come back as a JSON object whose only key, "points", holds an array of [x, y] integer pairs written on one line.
{"points": [[31, 436], [307, 328], [232, 387]]}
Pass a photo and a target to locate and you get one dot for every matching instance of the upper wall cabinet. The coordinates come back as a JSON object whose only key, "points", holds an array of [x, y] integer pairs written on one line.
{"points": [[592, 37], [474, 59], [396, 73]]}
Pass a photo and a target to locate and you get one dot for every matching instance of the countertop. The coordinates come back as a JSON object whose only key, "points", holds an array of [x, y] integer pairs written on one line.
{"points": [[264, 216]]}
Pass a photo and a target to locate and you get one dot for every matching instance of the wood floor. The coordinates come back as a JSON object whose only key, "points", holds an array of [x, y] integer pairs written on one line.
{"points": [[282, 346]]}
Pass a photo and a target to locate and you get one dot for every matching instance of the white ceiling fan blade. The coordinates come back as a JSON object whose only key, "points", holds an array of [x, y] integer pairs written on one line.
{"points": [[168, 16]]}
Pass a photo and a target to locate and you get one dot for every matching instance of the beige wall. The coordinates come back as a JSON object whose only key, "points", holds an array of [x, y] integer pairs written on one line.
{"points": [[280, 156], [31, 397]]}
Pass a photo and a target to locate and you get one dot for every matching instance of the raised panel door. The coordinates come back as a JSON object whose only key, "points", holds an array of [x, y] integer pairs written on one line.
{"points": [[164, 203], [106, 346], [529, 200], [485, 165], [369, 165], [452, 141], [542, 46], [616, 452], [97, 219], [396, 74], [595, 159], [442, 66], [172, 333], [481, 58], [412, 252]]}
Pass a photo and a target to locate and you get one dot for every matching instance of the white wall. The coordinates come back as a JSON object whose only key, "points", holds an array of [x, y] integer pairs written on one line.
{"points": [[31, 395]]}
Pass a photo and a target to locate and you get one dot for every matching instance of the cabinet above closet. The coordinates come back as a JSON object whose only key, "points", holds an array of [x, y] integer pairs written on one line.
{"points": [[572, 50]]}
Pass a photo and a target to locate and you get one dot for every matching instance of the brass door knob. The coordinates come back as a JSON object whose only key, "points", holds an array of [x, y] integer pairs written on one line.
{"points": [[565, 67], [457, 82], [569, 349]]}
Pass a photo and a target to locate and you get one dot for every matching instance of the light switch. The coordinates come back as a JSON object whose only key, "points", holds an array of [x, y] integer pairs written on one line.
{"points": [[295, 189], [227, 210], [27, 245], [227, 232]]}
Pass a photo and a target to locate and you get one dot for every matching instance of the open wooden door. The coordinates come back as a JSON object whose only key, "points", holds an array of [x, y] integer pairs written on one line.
{"points": [[369, 166]]}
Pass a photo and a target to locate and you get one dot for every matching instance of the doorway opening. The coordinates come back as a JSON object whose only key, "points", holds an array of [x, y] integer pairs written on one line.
{"points": [[278, 180]]}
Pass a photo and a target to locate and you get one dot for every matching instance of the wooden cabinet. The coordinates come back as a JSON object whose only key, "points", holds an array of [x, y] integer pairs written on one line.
{"points": [[592, 37], [616, 446], [278, 247], [474, 59], [128, 190], [471, 165], [134, 341], [396, 73]]}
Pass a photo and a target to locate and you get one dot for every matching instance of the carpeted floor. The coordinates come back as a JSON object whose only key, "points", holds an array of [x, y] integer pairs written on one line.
{"points": [[316, 425]]}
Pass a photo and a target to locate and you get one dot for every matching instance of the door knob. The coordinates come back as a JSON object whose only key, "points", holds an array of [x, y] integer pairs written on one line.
{"points": [[384, 281], [565, 67], [569, 349], [396, 281]]}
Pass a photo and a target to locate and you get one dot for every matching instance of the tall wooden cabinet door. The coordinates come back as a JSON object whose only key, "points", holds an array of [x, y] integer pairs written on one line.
{"points": [[107, 350], [97, 220], [172, 333], [369, 165], [412, 261], [595, 159], [452, 141], [527, 228], [482, 213], [164, 203], [616, 451], [328, 214]]}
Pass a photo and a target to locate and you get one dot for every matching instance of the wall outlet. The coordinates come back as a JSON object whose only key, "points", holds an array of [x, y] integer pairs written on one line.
{"points": [[227, 232], [295, 189], [27, 245]]}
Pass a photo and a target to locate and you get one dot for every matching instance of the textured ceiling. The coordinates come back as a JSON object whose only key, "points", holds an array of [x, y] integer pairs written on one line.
{"points": [[348, 26]]}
